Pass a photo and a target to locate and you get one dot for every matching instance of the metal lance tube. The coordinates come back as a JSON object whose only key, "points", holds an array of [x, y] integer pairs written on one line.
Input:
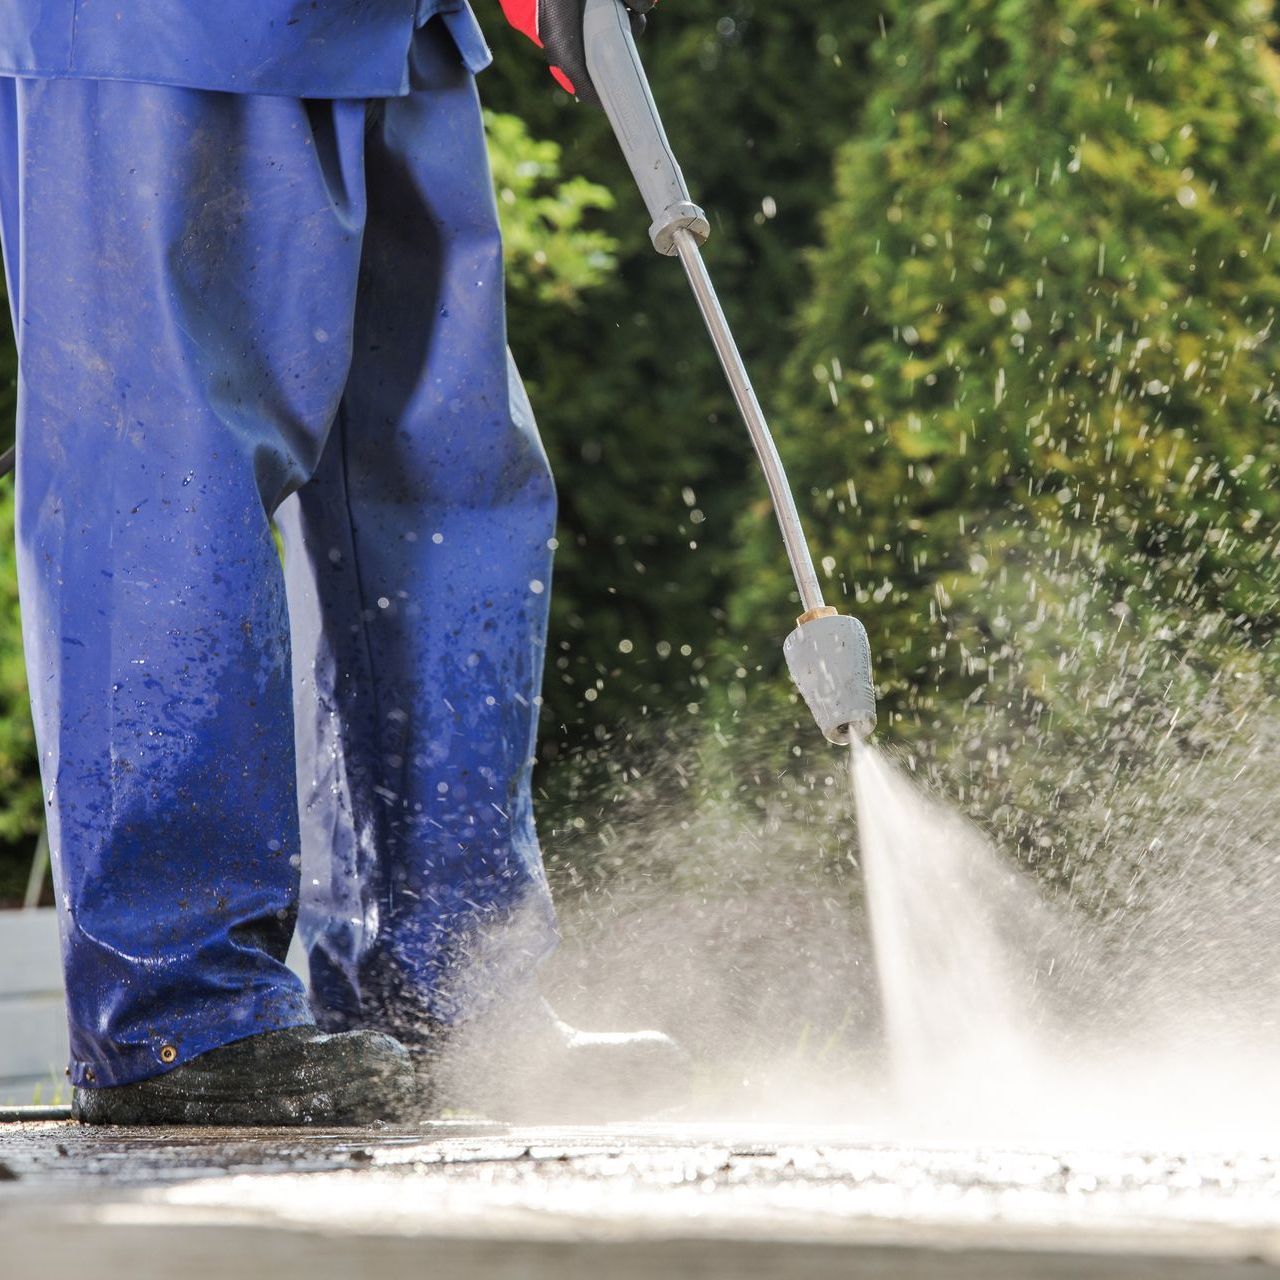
{"points": [[784, 504], [827, 654]]}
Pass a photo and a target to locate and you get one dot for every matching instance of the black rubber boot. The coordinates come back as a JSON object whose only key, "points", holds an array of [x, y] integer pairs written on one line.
{"points": [[294, 1076], [530, 1067]]}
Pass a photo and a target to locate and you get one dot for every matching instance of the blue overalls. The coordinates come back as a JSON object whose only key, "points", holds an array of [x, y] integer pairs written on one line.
{"points": [[256, 280]]}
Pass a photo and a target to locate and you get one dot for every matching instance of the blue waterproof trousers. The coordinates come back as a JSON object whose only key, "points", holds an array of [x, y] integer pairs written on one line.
{"points": [[233, 310]]}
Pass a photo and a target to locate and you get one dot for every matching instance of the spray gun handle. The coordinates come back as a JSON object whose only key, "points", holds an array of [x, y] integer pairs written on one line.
{"points": [[618, 76]]}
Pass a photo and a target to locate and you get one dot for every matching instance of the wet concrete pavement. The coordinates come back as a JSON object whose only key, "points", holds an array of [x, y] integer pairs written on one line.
{"points": [[627, 1201]]}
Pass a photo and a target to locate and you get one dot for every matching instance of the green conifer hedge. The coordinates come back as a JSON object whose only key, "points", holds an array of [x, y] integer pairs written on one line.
{"points": [[1032, 407]]}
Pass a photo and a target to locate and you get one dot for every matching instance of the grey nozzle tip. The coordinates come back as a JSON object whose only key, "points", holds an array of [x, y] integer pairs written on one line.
{"points": [[853, 733], [830, 661]]}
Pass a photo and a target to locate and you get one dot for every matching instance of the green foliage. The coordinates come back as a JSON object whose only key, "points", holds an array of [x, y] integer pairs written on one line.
{"points": [[20, 811], [552, 252], [20, 805], [1034, 402]]}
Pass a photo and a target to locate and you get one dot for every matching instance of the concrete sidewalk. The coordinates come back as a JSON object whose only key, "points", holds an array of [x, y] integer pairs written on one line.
{"points": [[680, 1201]]}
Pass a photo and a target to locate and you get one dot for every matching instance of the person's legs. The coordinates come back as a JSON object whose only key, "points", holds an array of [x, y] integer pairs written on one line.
{"points": [[187, 265], [418, 562]]}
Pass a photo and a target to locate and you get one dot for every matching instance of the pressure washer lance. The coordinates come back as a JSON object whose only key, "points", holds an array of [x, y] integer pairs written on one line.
{"points": [[828, 653]]}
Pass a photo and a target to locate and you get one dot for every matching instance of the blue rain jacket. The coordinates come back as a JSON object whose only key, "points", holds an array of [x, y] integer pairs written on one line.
{"points": [[298, 48], [233, 311]]}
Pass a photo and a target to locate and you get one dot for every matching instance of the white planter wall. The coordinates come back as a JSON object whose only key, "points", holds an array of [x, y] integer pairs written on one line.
{"points": [[33, 1028]]}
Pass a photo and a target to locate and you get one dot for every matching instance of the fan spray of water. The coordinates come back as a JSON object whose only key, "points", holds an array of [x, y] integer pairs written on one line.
{"points": [[908, 973], [1006, 1016], [945, 919]]}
